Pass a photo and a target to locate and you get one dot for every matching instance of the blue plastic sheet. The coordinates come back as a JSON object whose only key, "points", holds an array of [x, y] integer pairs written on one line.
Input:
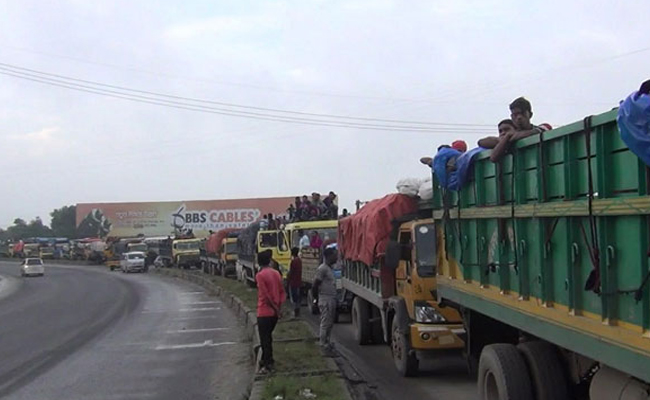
{"points": [[453, 180], [440, 161], [634, 123]]}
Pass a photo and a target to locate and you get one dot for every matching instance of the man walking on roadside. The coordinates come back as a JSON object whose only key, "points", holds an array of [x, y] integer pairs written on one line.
{"points": [[294, 281], [324, 292], [270, 296]]}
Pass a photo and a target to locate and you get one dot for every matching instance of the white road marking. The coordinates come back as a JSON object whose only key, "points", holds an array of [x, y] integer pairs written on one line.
{"points": [[198, 330], [200, 309], [207, 343], [198, 317], [201, 302]]}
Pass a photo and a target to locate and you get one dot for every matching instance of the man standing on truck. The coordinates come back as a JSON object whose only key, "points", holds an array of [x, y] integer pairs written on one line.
{"points": [[520, 112], [324, 293], [270, 296], [294, 281]]}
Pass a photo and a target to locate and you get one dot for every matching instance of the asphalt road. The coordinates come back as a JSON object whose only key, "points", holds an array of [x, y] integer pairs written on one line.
{"points": [[82, 332], [441, 378]]}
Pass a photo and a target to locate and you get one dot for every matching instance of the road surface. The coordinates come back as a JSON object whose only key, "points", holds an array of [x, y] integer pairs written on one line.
{"points": [[445, 378], [82, 332]]}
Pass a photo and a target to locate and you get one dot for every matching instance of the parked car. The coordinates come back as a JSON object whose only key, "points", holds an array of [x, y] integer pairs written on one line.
{"points": [[32, 267], [133, 261]]}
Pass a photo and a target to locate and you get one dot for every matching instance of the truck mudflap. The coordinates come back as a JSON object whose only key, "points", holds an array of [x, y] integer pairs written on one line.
{"points": [[434, 337]]}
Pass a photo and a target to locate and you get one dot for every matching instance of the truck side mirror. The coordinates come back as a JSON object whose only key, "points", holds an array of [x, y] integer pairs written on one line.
{"points": [[392, 256]]}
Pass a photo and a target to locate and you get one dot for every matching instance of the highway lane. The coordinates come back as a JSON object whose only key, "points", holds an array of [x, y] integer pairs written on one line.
{"points": [[82, 332], [443, 378]]}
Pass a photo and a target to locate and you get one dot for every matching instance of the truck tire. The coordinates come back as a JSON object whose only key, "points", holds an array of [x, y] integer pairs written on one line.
{"points": [[313, 308], [546, 370], [360, 321], [502, 374], [406, 362], [250, 280]]}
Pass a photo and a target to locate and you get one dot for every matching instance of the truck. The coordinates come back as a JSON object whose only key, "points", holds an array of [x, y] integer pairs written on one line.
{"points": [[46, 250], [250, 242], [313, 257], [545, 254], [181, 252], [115, 247], [219, 255], [389, 265], [32, 250]]}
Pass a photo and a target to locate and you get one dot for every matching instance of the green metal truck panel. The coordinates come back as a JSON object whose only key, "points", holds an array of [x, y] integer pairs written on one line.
{"points": [[523, 243]]}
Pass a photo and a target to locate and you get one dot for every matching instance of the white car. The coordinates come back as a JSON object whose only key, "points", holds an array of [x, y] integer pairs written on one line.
{"points": [[133, 261], [32, 267]]}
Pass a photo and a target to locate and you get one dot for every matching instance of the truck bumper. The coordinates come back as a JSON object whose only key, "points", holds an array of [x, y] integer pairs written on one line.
{"points": [[434, 337]]}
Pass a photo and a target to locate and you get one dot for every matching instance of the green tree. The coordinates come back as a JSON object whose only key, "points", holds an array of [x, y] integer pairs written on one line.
{"points": [[37, 228], [64, 222]]}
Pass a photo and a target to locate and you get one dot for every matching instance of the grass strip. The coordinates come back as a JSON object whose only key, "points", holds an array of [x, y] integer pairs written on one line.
{"points": [[327, 387]]}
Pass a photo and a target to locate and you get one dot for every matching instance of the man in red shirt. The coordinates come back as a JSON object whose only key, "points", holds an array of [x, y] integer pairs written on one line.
{"points": [[270, 296], [294, 281]]}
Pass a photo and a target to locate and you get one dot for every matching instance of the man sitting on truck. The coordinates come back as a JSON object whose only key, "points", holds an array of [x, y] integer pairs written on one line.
{"points": [[324, 293], [505, 127]]}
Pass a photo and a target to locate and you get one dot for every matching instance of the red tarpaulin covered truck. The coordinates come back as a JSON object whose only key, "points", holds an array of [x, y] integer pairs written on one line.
{"points": [[388, 252], [220, 254]]}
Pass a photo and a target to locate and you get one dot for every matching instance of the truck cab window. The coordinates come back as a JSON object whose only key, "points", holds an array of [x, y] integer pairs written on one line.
{"points": [[425, 249], [405, 245]]}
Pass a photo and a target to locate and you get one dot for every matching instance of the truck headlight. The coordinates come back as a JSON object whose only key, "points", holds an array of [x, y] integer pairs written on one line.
{"points": [[424, 313]]}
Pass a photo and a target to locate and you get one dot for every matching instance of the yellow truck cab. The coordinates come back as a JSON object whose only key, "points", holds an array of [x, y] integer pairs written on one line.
{"points": [[47, 252], [141, 246], [229, 251], [31, 250], [275, 241], [388, 252], [311, 257], [186, 252]]}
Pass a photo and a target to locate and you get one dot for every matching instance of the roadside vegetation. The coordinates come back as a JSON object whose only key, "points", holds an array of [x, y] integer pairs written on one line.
{"points": [[301, 372]]}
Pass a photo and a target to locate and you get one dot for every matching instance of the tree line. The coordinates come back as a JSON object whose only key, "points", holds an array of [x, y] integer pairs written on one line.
{"points": [[63, 225]]}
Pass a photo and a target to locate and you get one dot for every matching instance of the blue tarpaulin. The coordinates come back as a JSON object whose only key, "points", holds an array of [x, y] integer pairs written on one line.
{"points": [[453, 179], [634, 123]]}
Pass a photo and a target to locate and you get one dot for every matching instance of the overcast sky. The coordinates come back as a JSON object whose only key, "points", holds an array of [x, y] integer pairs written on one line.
{"points": [[439, 61]]}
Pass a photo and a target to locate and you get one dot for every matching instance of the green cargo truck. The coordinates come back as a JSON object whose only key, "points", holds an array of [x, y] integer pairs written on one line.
{"points": [[546, 256]]}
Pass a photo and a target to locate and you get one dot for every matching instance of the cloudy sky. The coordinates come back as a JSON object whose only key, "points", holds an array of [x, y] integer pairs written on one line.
{"points": [[445, 62]]}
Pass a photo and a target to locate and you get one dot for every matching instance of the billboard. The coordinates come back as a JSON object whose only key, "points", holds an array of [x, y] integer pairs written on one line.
{"points": [[169, 217]]}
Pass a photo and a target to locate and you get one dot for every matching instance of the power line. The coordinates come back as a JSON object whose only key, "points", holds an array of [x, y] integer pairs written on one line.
{"points": [[227, 112], [17, 69], [235, 84]]}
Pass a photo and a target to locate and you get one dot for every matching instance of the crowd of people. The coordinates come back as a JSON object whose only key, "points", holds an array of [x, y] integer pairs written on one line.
{"points": [[313, 208], [271, 295]]}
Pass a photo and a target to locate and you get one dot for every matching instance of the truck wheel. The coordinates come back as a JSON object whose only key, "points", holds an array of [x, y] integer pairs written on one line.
{"points": [[360, 321], [406, 362], [546, 370], [502, 374], [377, 332], [313, 308], [250, 281]]}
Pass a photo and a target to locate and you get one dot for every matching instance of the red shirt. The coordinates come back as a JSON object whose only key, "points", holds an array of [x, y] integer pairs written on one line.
{"points": [[269, 292], [295, 273]]}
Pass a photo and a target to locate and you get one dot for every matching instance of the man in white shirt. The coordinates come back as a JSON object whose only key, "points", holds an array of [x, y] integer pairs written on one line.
{"points": [[304, 239]]}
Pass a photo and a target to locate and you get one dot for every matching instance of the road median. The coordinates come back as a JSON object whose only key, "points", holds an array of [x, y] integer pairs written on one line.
{"points": [[301, 371]]}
